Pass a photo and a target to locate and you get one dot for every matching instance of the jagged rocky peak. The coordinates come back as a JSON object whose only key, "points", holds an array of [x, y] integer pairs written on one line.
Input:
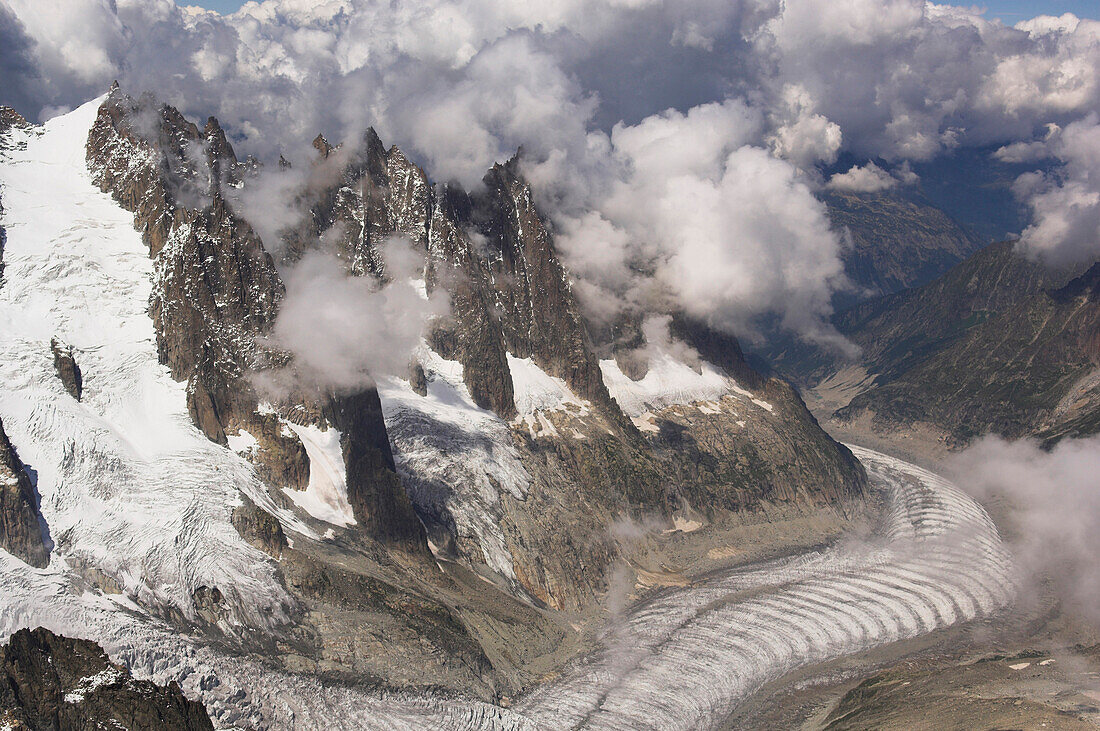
{"points": [[48, 681], [21, 532], [10, 118], [216, 294], [358, 197], [540, 314], [491, 252]]}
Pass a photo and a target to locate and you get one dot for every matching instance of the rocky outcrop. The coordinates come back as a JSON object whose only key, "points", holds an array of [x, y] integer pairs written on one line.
{"points": [[471, 334], [52, 682], [375, 492], [259, 527], [9, 120], [20, 523], [539, 313], [64, 362]]}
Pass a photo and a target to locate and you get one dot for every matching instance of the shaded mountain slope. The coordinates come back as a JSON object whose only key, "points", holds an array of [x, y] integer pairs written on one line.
{"points": [[998, 344], [897, 241]]}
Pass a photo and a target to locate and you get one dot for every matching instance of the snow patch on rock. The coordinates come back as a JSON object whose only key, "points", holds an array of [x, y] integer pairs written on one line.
{"points": [[326, 495], [536, 390], [668, 382]]}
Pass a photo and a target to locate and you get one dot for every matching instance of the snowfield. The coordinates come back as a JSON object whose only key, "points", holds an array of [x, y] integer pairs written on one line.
{"points": [[137, 499], [444, 441], [129, 486], [326, 495]]}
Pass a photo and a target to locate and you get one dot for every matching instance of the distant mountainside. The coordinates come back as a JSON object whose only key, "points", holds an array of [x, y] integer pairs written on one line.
{"points": [[998, 344], [897, 242], [425, 528]]}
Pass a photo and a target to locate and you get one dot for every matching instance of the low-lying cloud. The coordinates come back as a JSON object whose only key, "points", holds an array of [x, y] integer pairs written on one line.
{"points": [[1055, 500], [1065, 205], [345, 331]]}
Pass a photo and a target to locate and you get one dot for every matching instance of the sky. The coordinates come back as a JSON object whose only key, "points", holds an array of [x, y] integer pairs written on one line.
{"points": [[1009, 11], [679, 147], [1012, 11]]}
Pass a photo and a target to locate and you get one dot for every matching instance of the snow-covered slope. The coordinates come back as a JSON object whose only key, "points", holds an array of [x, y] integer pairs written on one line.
{"points": [[326, 496], [129, 486]]}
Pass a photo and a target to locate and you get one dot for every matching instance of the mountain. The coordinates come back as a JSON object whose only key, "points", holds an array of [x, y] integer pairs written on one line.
{"points": [[999, 344], [427, 528], [896, 241], [20, 522]]}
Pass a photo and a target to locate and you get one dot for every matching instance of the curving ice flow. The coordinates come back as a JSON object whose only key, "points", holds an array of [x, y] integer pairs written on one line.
{"points": [[133, 492], [686, 658]]}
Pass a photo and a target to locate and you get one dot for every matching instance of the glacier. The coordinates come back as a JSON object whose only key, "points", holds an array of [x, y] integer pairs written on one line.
{"points": [[133, 492]]}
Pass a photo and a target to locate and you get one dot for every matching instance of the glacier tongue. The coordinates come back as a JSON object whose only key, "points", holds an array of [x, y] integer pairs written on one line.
{"points": [[685, 659]]}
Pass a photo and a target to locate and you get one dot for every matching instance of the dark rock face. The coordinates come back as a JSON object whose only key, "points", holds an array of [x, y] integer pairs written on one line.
{"points": [[9, 120], [472, 335], [67, 370], [281, 459], [539, 314], [20, 529], [56, 683], [716, 347]]}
